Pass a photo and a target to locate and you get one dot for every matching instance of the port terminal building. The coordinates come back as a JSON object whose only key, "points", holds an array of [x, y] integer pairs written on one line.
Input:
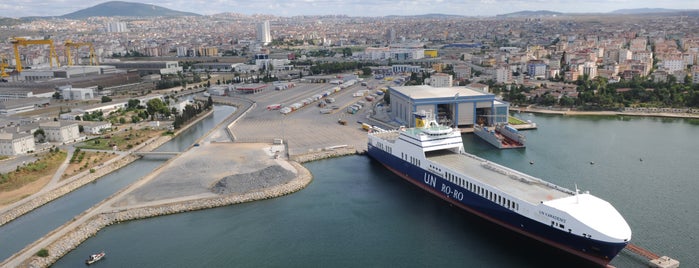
{"points": [[461, 107]]}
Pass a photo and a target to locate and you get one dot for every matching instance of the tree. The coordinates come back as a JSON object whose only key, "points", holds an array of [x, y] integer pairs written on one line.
{"points": [[209, 102], [366, 71], [40, 135], [156, 106], [133, 104], [106, 99]]}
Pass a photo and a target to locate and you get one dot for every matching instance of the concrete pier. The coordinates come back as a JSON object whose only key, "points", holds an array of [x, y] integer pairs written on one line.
{"points": [[654, 260]]}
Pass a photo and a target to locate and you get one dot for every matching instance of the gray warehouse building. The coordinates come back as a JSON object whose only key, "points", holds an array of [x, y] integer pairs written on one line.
{"points": [[454, 106]]}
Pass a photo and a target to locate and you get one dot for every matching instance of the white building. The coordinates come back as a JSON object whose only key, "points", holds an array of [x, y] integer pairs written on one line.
{"points": [[16, 143], [503, 75], [116, 27], [273, 64], [96, 128], [441, 80], [590, 69], [263, 33], [70, 93], [60, 131], [456, 106], [674, 65]]}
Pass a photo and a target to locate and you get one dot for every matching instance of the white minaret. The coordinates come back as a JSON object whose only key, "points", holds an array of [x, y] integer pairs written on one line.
{"points": [[263, 34]]}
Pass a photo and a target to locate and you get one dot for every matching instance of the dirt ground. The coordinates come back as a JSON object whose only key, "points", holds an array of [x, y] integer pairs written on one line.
{"points": [[9, 197], [92, 159]]}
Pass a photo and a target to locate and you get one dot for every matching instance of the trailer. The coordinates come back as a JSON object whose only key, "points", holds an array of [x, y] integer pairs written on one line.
{"points": [[274, 107]]}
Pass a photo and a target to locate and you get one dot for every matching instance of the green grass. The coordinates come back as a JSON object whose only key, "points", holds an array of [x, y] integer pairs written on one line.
{"points": [[123, 140], [515, 121]]}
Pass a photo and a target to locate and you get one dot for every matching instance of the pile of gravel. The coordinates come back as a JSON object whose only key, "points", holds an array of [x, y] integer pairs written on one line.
{"points": [[242, 183]]}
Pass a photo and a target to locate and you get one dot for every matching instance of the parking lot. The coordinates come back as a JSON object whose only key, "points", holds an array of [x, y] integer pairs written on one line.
{"points": [[306, 130]]}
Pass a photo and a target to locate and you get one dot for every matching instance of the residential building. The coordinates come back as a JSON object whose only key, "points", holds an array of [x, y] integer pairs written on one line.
{"points": [[536, 69], [674, 65], [590, 69], [441, 80], [116, 27], [60, 131], [503, 75], [462, 72], [16, 143]]}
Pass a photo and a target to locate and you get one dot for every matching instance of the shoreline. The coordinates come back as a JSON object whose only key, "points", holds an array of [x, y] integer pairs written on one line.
{"points": [[605, 113], [92, 226], [22, 207], [73, 238]]}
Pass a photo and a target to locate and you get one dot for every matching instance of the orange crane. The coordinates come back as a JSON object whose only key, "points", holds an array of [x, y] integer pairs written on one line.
{"points": [[70, 44], [19, 41]]}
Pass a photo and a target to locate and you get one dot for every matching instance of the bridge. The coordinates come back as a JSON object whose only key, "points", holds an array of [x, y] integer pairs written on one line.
{"points": [[156, 153]]}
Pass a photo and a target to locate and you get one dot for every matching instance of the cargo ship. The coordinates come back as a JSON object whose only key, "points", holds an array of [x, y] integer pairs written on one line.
{"points": [[502, 136], [432, 157]]}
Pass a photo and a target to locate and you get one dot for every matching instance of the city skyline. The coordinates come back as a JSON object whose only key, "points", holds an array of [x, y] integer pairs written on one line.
{"points": [[351, 7]]}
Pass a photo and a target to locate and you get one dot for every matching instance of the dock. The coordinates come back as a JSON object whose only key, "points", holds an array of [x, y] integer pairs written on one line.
{"points": [[654, 260]]}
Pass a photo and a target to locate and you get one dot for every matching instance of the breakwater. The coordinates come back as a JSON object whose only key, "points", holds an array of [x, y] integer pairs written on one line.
{"points": [[324, 154], [89, 228]]}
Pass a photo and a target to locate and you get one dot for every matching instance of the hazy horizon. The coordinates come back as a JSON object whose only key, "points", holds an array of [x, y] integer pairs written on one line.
{"points": [[374, 8]]}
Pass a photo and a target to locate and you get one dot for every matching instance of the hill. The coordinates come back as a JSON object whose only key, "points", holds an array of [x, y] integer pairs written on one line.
{"points": [[644, 11], [531, 13], [125, 9], [9, 21]]}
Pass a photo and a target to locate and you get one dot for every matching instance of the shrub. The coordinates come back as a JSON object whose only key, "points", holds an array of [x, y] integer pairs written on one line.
{"points": [[43, 253]]}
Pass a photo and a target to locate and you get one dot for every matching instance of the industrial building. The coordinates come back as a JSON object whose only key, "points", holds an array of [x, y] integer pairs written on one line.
{"points": [[70, 93], [455, 106], [149, 67], [22, 105]]}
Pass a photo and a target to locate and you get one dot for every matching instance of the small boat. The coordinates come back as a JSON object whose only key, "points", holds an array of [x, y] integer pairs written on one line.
{"points": [[95, 257]]}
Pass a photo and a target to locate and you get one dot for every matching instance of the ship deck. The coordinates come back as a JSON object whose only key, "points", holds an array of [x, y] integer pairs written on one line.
{"points": [[515, 183]]}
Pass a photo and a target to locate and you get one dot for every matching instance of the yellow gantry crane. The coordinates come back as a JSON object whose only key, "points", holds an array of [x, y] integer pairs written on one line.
{"points": [[70, 44], [3, 65], [19, 41]]}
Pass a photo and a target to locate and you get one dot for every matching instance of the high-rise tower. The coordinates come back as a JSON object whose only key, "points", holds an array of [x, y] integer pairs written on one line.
{"points": [[263, 34]]}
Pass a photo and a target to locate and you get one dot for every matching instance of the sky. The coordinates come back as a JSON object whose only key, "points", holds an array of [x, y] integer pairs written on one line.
{"points": [[24, 8]]}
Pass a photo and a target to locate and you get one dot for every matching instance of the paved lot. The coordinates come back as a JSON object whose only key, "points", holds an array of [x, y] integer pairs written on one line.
{"points": [[305, 130], [194, 172]]}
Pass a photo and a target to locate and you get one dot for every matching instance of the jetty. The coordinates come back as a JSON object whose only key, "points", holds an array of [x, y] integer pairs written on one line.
{"points": [[654, 260]]}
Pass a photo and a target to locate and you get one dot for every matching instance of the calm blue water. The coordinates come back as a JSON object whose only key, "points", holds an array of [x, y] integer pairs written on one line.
{"points": [[356, 213], [16, 234]]}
